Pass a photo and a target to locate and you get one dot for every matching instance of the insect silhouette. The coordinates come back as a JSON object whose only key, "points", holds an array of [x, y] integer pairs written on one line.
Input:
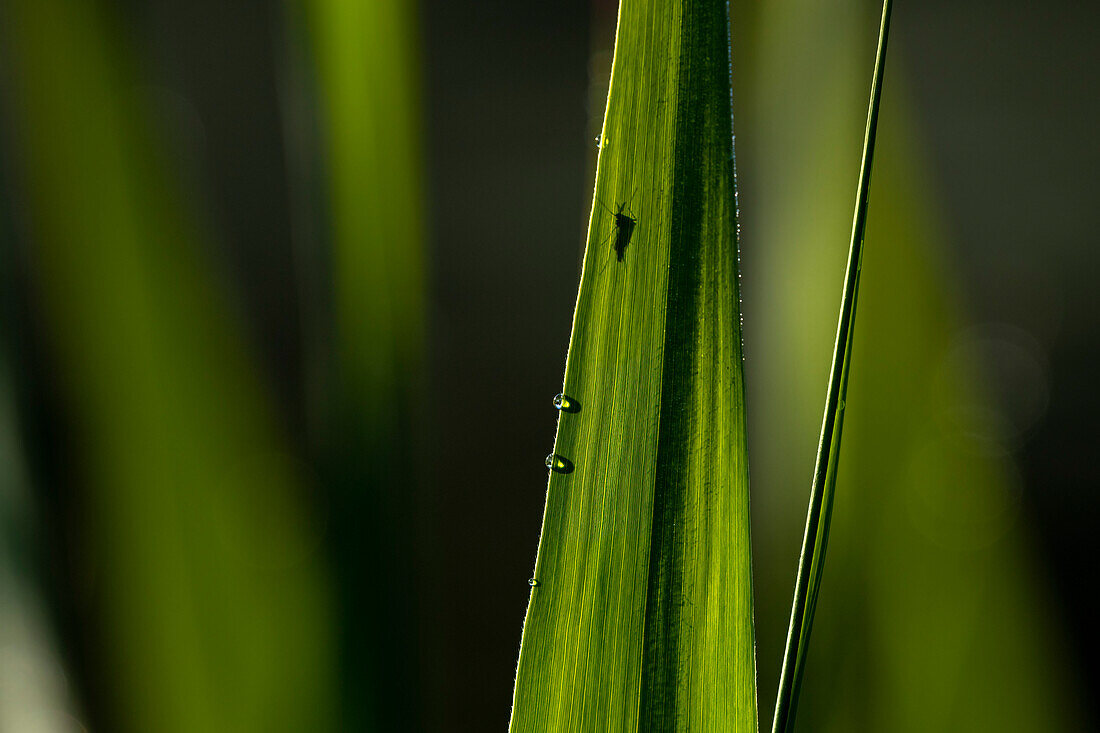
{"points": [[624, 230], [625, 221]]}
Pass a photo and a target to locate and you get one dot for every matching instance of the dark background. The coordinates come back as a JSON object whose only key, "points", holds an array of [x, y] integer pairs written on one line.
{"points": [[1005, 103]]}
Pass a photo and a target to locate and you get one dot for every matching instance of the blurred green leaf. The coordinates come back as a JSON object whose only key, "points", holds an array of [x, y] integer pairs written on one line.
{"points": [[361, 77], [364, 59], [641, 610], [211, 607]]}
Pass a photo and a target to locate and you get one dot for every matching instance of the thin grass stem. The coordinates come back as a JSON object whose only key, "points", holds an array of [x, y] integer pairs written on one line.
{"points": [[816, 538]]}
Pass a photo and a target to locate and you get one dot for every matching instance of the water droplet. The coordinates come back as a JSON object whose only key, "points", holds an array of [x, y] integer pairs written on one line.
{"points": [[565, 403], [598, 141], [559, 464], [533, 582], [840, 406]]}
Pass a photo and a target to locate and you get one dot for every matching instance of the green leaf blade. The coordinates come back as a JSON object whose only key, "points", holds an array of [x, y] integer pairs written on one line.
{"points": [[641, 617]]}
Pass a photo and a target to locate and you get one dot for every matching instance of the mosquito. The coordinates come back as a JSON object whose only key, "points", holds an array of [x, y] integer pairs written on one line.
{"points": [[625, 221]]}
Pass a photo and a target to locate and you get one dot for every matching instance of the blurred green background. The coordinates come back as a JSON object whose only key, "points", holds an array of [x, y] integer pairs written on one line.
{"points": [[287, 289]]}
